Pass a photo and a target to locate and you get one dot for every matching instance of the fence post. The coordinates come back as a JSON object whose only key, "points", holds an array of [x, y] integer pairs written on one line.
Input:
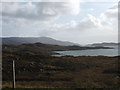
{"points": [[13, 74]]}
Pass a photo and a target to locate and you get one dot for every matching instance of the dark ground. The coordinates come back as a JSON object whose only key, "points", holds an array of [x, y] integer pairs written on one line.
{"points": [[40, 70]]}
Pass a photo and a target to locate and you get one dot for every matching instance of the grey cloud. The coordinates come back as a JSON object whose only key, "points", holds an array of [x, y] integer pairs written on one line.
{"points": [[42, 11]]}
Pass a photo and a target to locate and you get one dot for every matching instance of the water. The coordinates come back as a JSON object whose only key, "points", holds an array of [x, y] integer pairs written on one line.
{"points": [[94, 52]]}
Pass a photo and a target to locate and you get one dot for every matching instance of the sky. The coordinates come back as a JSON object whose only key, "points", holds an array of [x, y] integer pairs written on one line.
{"points": [[74, 20]]}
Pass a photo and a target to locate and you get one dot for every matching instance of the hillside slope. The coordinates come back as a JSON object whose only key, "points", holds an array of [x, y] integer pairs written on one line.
{"points": [[45, 40]]}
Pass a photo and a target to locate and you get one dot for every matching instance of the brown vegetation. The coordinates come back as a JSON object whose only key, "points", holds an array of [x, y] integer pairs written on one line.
{"points": [[38, 70]]}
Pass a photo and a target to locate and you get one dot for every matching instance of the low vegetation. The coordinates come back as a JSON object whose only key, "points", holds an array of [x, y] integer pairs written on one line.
{"points": [[36, 68]]}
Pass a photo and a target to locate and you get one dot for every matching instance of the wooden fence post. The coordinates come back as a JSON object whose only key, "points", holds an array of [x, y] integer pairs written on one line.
{"points": [[13, 74]]}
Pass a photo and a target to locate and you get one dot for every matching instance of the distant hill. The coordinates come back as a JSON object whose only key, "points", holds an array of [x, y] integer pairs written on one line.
{"points": [[105, 44], [45, 40]]}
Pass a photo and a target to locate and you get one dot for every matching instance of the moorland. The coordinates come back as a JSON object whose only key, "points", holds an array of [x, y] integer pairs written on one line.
{"points": [[36, 68]]}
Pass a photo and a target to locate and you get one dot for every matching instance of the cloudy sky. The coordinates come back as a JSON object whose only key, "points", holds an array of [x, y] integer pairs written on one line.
{"points": [[73, 20]]}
